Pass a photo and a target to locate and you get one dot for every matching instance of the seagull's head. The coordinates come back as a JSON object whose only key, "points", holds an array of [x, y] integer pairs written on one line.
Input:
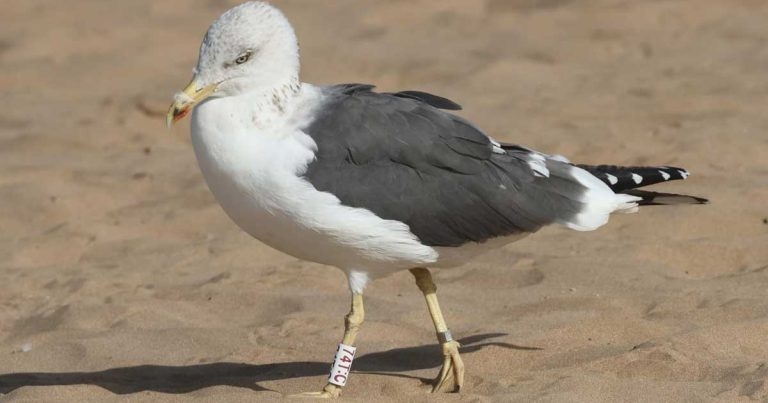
{"points": [[251, 47]]}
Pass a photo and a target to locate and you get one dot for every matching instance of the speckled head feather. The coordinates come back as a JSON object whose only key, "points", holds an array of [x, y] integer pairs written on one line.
{"points": [[249, 47]]}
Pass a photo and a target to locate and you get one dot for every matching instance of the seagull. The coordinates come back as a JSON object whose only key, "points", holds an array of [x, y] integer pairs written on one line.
{"points": [[375, 183]]}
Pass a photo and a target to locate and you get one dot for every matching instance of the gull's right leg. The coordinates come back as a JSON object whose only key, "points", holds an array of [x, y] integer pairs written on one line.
{"points": [[352, 323], [453, 366]]}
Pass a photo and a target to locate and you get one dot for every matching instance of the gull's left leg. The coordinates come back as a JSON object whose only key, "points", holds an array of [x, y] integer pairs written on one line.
{"points": [[344, 355], [453, 366]]}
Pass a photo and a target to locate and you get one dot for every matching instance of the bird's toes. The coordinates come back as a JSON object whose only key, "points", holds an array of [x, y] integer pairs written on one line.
{"points": [[458, 373], [452, 371]]}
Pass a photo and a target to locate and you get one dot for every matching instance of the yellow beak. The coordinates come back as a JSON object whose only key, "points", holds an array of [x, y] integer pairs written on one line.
{"points": [[185, 100]]}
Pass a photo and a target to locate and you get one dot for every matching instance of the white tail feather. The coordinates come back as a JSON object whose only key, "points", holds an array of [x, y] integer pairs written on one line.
{"points": [[598, 201]]}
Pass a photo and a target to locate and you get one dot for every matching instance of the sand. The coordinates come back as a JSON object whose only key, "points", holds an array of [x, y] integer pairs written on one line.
{"points": [[122, 279]]}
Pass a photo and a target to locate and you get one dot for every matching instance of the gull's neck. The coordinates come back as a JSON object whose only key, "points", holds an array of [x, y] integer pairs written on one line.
{"points": [[277, 82], [272, 101]]}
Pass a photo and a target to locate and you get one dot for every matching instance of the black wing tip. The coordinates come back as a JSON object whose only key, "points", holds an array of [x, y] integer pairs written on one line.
{"points": [[621, 178], [688, 199], [700, 200], [675, 172], [649, 198]]}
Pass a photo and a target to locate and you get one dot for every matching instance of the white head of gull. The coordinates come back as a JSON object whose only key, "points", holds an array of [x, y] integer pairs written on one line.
{"points": [[375, 183], [250, 50]]}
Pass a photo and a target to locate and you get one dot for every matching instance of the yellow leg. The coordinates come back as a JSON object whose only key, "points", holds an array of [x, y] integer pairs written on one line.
{"points": [[352, 323], [453, 366]]}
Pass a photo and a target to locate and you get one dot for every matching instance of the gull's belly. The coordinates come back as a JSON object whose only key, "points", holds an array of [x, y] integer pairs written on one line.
{"points": [[308, 232], [257, 209], [282, 231], [258, 187]]}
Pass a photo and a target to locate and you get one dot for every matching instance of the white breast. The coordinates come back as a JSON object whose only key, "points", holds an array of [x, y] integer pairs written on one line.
{"points": [[252, 164]]}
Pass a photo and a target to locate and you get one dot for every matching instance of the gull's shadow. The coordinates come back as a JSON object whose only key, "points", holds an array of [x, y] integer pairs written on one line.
{"points": [[184, 379]]}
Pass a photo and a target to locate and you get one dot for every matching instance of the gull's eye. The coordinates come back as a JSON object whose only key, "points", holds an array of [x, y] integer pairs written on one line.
{"points": [[243, 57]]}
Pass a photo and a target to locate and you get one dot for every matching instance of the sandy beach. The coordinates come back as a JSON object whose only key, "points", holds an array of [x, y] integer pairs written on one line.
{"points": [[122, 280]]}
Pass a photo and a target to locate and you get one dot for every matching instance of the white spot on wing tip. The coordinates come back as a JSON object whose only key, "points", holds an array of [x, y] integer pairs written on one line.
{"points": [[683, 173], [637, 178], [665, 175], [612, 179]]}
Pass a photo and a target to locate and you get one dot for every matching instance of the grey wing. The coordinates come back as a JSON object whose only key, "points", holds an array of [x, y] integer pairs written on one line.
{"points": [[404, 159]]}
